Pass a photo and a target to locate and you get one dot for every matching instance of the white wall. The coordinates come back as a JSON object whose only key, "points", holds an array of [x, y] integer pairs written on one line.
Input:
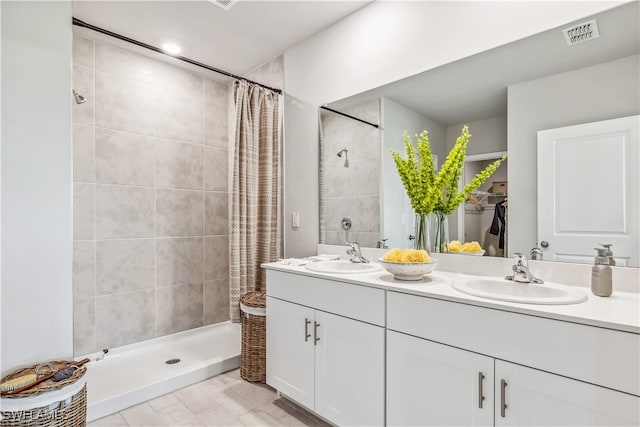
{"points": [[601, 92], [37, 315], [487, 136], [397, 118], [381, 43]]}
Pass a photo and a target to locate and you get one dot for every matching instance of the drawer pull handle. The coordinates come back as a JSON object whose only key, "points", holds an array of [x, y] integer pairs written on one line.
{"points": [[307, 335], [480, 392], [316, 338], [503, 404]]}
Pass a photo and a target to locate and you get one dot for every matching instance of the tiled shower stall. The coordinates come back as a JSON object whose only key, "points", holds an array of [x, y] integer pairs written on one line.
{"points": [[350, 185], [150, 205]]}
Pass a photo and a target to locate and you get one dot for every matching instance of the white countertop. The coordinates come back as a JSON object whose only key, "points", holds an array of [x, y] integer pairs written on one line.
{"points": [[620, 311]]}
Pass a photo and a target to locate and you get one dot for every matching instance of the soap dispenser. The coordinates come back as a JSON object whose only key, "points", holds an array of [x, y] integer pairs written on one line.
{"points": [[601, 279]]}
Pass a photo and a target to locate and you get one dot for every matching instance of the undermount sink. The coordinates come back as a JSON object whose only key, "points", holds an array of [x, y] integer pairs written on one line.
{"points": [[526, 293], [342, 267]]}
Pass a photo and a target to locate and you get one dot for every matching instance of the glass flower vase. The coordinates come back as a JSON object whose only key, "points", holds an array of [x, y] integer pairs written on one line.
{"points": [[422, 240], [438, 232]]}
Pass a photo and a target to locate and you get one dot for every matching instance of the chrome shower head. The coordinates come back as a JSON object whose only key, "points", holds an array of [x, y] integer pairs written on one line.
{"points": [[346, 156], [80, 99]]}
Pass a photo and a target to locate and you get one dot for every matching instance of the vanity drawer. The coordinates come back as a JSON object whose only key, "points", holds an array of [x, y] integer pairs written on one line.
{"points": [[596, 355], [345, 299]]}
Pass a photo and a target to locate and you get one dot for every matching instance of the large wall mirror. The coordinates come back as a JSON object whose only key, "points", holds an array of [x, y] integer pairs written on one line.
{"points": [[567, 116]]}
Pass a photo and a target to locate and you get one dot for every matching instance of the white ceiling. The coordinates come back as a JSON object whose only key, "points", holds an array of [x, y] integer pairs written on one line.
{"points": [[237, 40], [475, 88]]}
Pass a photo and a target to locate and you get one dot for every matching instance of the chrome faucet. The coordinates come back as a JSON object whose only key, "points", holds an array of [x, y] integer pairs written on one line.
{"points": [[536, 253], [355, 253], [521, 271], [382, 244]]}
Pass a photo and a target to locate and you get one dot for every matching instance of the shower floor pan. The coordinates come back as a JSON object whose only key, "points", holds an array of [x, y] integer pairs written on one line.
{"points": [[134, 373]]}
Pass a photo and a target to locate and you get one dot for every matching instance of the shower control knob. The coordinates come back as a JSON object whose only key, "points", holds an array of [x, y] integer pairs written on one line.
{"points": [[411, 237], [544, 244]]}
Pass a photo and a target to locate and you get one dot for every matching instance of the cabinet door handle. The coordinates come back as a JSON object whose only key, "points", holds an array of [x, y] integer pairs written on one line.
{"points": [[307, 335], [503, 404], [316, 338], [480, 392]]}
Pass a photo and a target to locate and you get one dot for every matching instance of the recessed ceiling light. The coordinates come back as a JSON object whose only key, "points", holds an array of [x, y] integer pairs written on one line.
{"points": [[171, 48]]}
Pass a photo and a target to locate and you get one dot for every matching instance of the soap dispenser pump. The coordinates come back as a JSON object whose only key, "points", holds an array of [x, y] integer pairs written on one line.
{"points": [[601, 278]]}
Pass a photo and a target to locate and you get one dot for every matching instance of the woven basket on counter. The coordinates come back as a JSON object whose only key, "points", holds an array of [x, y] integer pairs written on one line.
{"points": [[54, 407], [253, 355]]}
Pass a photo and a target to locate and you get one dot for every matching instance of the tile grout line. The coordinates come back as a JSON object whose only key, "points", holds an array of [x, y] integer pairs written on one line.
{"points": [[204, 210], [155, 222], [95, 210]]}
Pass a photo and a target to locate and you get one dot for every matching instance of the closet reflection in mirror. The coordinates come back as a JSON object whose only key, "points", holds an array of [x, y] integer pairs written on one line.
{"points": [[506, 96]]}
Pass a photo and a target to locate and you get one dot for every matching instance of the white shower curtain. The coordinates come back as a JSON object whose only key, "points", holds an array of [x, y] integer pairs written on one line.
{"points": [[256, 184]]}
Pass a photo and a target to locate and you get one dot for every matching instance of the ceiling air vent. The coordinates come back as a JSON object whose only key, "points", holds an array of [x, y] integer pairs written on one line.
{"points": [[225, 4], [581, 32]]}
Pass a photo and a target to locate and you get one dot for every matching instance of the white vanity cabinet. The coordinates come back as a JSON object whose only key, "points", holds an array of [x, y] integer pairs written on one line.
{"points": [[529, 397], [325, 346], [430, 384], [591, 376]]}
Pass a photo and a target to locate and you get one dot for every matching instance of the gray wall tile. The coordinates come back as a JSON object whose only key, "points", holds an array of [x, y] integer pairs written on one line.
{"points": [[125, 265], [216, 92], [216, 301], [179, 116], [179, 261], [216, 125], [269, 74], [178, 80], [366, 214], [216, 168], [124, 212], [125, 104], [179, 308], [83, 84], [84, 269], [125, 318], [124, 63], [83, 52], [84, 211], [216, 257], [216, 213], [124, 158], [84, 326], [365, 177], [335, 208], [127, 64], [179, 213], [179, 165], [140, 137], [83, 153]]}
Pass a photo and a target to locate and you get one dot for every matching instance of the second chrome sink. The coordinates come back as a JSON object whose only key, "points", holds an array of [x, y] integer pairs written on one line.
{"points": [[526, 293], [342, 267]]}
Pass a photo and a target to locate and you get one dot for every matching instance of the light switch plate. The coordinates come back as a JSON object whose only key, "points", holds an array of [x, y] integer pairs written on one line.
{"points": [[295, 219]]}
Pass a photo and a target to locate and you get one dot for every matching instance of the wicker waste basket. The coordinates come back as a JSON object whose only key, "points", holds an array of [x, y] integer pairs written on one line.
{"points": [[253, 357], [51, 404]]}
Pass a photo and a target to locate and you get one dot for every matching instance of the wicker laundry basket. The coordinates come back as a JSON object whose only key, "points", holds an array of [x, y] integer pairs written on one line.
{"points": [[51, 404], [253, 356]]}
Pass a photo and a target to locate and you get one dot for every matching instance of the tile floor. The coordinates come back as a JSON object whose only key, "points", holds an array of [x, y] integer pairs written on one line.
{"points": [[225, 400]]}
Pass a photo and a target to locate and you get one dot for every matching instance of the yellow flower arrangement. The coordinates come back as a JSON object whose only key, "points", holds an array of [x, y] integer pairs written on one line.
{"points": [[429, 191]]}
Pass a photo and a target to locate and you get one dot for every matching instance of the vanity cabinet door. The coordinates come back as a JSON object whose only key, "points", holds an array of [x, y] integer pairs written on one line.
{"points": [[529, 397], [349, 371], [290, 350], [431, 384]]}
